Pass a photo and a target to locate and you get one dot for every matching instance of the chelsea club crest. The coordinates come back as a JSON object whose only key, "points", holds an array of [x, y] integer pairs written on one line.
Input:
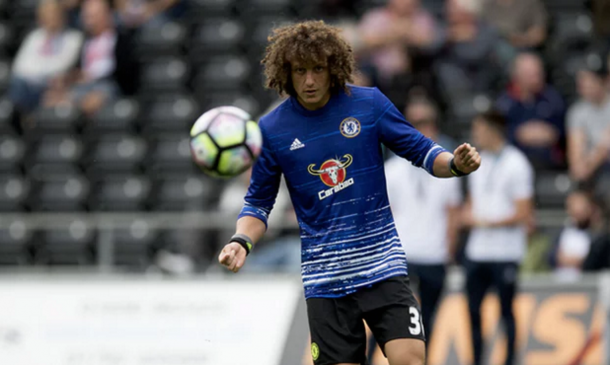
{"points": [[350, 127]]}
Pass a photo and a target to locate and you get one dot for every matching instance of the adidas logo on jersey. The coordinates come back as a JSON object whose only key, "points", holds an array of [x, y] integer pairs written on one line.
{"points": [[296, 145]]}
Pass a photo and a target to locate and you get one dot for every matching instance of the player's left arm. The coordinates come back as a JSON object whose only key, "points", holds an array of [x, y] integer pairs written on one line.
{"points": [[464, 160], [407, 142]]}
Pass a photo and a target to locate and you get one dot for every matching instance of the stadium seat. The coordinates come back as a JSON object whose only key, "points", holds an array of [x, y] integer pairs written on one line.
{"points": [[67, 245], [12, 150], [165, 75], [120, 193], [564, 83], [6, 116], [257, 8], [22, 17], [28, 6], [208, 8], [5, 74], [115, 153], [170, 112], [182, 193], [239, 99], [60, 119], [260, 28], [14, 243], [555, 7], [170, 152], [458, 130], [435, 7], [465, 107], [602, 190], [14, 190], [153, 42], [222, 73], [364, 5], [216, 36], [6, 38], [54, 150], [119, 116], [551, 189], [572, 32], [60, 192], [133, 245]]}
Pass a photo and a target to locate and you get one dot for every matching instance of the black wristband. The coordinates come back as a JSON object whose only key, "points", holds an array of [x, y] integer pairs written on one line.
{"points": [[244, 242], [454, 170]]}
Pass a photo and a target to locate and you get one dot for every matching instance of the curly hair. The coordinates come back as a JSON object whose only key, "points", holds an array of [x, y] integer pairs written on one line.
{"points": [[307, 42]]}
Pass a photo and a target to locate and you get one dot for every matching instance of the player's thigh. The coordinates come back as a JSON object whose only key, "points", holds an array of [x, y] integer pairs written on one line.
{"points": [[406, 351], [400, 319], [337, 332]]}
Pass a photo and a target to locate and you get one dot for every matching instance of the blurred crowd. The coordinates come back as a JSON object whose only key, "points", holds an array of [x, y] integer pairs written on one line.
{"points": [[80, 53], [471, 56], [441, 61]]}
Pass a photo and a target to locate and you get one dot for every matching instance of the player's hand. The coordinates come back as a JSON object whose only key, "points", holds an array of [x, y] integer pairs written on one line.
{"points": [[467, 159], [232, 256]]}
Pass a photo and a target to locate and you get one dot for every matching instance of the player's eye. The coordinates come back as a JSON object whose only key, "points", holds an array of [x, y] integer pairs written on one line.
{"points": [[300, 70], [318, 69]]}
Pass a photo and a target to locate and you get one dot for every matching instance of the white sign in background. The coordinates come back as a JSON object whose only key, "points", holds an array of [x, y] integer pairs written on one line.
{"points": [[145, 322]]}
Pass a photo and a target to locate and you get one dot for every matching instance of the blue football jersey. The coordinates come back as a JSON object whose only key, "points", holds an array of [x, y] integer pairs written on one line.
{"points": [[332, 161]]}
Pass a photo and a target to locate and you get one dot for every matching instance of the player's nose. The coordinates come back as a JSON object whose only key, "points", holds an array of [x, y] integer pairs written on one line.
{"points": [[309, 80]]}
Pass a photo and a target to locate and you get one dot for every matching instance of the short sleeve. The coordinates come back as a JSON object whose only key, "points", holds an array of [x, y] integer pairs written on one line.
{"points": [[522, 181], [264, 184], [401, 137]]}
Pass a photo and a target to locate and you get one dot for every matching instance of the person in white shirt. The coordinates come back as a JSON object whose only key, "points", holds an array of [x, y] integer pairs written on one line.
{"points": [[47, 52], [425, 210], [93, 83], [497, 210], [588, 124]]}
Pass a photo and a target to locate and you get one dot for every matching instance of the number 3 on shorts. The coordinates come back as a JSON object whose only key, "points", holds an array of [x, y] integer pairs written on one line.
{"points": [[417, 327]]}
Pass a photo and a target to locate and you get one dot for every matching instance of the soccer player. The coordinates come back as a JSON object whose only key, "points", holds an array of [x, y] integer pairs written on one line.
{"points": [[498, 209], [326, 140]]}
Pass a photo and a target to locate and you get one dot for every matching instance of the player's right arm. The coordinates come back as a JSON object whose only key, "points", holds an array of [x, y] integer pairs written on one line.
{"points": [[252, 221], [233, 255]]}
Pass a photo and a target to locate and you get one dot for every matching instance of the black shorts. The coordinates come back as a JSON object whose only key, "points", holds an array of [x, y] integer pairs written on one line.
{"points": [[336, 324]]}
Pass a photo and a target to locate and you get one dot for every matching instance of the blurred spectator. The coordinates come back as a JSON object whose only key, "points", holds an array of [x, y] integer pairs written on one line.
{"points": [[577, 236], [498, 210], [338, 8], [424, 115], [469, 60], [589, 125], [149, 13], [106, 66], [391, 35], [426, 214], [535, 112], [522, 22], [47, 52]]}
